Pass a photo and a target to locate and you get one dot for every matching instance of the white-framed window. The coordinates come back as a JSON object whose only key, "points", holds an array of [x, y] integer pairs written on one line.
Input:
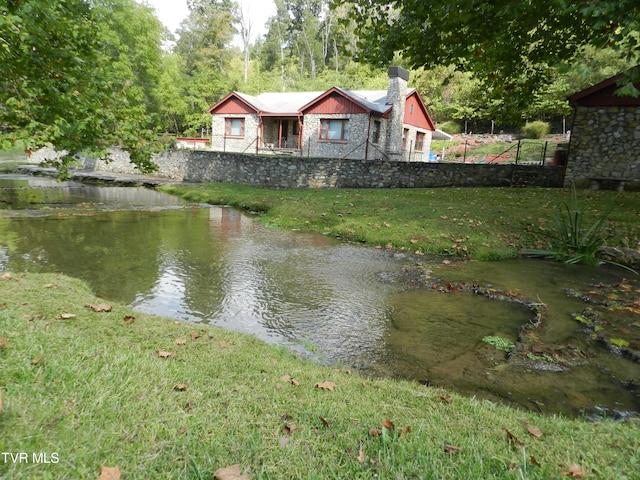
{"points": [[334, 130], [420, 136], [234, 127]]}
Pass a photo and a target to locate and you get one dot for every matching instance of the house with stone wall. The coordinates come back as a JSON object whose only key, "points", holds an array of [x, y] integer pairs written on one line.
{"points": [[391, 124], [604, 150]]}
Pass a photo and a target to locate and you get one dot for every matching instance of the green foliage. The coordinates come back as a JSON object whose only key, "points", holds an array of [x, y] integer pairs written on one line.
{"points": [[450, 127], [537, 129], [510, 46], [499, 343], [574, 239], [74, 75]]}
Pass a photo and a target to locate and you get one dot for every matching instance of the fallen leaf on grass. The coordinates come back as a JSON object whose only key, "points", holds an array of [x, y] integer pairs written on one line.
{"points": [[283, 441], [386, 423], [7, 276], [575, 471], [37, 360], [289, 428], [324, 422], [163, 354], [451, 448], [361, 455], [129, 319], [325, 386], [101, 307], [512, 438], [230, 473], [194, 335], [181, 341], [375, 432], [110, 473], [534, 431], [66, 316], [445, 398], [4, 343], [181, 387], [290, 379]]}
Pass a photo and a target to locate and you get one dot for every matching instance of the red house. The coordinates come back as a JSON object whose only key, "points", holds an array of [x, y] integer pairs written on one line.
{"points": [[339, 123]]}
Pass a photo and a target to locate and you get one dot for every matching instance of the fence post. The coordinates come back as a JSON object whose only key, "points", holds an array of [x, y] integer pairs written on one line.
{"points": [[544, 153], [518, 151]]}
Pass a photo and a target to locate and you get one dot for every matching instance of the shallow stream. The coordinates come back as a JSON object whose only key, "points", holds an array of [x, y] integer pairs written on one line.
{"points": [[377, 311]]}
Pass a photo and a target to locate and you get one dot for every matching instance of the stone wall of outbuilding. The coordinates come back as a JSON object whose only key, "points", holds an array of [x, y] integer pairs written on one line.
{"points": [[300, 172], [604, 151]]}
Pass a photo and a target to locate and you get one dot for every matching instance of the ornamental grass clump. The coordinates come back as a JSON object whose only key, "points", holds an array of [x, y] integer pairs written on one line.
{"points": [[573, 240]]}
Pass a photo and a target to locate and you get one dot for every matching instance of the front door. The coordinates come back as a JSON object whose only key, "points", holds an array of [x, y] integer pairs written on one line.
{"points": [[283, 134]]}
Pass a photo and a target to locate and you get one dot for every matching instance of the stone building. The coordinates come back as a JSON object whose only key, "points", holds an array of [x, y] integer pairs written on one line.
{"points": [[604, 150], [391, 124]]}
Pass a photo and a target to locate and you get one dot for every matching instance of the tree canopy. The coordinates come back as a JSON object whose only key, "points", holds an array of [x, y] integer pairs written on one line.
{"points": [[78, 75], [510, 46]]}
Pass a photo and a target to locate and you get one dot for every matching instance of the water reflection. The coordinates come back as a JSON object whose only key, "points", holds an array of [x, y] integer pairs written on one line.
{"points": [[217, 266]]}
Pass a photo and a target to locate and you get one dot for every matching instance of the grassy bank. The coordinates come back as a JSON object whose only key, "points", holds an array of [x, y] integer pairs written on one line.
{"points": [[160, 399], [486, 223]]}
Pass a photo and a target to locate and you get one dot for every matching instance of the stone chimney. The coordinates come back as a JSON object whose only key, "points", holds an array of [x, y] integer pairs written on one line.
{"points": [[396, 97]]}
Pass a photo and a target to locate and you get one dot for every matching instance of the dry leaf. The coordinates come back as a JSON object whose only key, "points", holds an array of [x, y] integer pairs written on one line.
{"points": [[290, 379], [222, 344], [283, 441], [194, 335], [181, 341], [513, 438], [66, 316], [451, 448], [37, 360], [534, 431], [4, 343], [324, 422], [361, 455], [575, 471], [102, 307], [110, 473], [278, 386], [181, 387], [534, 461], [375, 432], [163, 354], [326, 385], [289, 428], [445, 398], [230, 473], [386, 423], [129, 319], [7, 276]]}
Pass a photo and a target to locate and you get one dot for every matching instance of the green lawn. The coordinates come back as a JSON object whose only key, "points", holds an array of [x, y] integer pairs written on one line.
{"points": [[158, 399], [485, 223]]}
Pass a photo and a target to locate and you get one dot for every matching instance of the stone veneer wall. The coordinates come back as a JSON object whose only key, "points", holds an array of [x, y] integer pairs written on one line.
{"points": [[605, 144], [298, 172]]}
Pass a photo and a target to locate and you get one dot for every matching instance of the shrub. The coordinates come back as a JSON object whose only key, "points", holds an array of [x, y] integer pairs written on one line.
{"points": [[536, 129], [450, 127]]}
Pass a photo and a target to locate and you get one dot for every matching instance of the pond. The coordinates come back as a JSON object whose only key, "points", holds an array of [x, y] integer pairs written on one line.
{"points": [[376, 311]]}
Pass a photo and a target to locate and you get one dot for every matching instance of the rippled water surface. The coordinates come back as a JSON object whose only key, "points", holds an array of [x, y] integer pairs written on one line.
{"points": [[343, 304]]}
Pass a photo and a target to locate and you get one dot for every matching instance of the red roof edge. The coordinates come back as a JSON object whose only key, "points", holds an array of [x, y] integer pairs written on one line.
{"points": [[574, 99], [229, 96]]}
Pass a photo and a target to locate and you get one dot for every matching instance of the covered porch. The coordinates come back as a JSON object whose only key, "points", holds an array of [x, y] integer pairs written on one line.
{"points": [[280, 134]]}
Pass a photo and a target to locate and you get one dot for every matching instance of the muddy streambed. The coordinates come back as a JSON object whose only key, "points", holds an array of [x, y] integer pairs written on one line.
{"points": [[571, 331]]}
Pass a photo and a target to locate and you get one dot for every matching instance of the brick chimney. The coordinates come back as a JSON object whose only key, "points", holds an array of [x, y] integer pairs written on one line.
{"points": [[396, 97]]}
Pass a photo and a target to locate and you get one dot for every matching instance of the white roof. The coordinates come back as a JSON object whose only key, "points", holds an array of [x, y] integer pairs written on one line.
{"points": [[284, 102]]}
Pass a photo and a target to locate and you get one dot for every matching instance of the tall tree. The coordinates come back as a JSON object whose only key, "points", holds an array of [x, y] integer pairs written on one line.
{"points": [[509, 45], [60, 86]]}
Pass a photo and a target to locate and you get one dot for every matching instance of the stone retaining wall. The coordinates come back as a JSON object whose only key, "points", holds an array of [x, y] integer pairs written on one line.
{"points": [[298, 172]]}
